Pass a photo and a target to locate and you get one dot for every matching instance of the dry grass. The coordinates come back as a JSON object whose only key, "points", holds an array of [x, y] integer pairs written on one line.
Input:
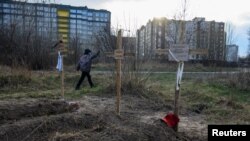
{"points": [[240, 81]]}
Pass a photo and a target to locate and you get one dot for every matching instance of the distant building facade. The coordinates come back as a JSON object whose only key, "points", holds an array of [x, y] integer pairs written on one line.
{"points": [[232, 53], [129, 44], [162, 33], [56, 21]]}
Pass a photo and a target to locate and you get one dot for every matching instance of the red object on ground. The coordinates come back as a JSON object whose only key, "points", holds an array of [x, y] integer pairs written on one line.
{"points": [[171, 119]]}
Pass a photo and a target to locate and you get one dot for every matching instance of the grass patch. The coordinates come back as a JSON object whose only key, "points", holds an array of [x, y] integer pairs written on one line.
{"points": [[167, 67], [14, 81], [216, 99]]}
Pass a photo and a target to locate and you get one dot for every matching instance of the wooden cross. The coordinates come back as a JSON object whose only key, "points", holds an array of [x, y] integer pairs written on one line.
{"points": [[60, 47], [179, 58], [118, 54]]}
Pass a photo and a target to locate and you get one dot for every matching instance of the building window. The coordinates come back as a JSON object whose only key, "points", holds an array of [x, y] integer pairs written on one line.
{"points": [[84, 27], [6, 10], [53, 15], [6, 5], [19, 11], [90, 23], [89, 32], [72, 11], [84, 22], [90, 14], [84, 12], [46, 9], [78, 16], [73, 21], [72, 16], [53, 10], [79, 11], [13, 6], [46, 14], [40, 8]]}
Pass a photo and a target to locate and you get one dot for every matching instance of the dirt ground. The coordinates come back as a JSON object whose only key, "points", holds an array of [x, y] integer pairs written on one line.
{"points": [[94, 120]]}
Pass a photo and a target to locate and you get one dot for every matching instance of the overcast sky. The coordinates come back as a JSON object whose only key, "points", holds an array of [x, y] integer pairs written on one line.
{"points": [[131, 14]]}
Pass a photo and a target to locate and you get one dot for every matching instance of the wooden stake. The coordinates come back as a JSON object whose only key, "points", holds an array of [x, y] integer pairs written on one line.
{"points": [[118, 54], [118, 86], [177, 91], [118, 74], [176, 107], [61, 50]]}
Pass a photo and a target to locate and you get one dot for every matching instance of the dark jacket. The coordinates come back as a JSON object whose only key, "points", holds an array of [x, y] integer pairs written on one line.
{"points": [[85, 61]]}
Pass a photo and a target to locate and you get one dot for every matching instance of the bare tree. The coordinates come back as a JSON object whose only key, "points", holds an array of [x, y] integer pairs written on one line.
{"points": [[230, 31], [182, 18], [248, 52], [105, 41], [21, 42], [176, 28], [75, 44]]}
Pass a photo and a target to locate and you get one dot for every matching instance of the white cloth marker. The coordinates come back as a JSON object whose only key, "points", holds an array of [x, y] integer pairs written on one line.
{"points": [[59, 65]]}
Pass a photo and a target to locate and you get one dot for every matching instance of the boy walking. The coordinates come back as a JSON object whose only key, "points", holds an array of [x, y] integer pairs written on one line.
{"points": [[84, 65]]}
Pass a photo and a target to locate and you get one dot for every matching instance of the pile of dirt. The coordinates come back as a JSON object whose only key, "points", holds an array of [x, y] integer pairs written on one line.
{"points": [[95, 120], [42, 128], [106, 127], [16, 110]]}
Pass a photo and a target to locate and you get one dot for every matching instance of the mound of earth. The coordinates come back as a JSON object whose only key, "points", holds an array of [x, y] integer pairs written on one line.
{"points": [[95, 120]]}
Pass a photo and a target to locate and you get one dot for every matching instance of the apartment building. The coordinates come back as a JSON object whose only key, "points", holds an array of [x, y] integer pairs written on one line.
{"points": [[140, 42], [56, 21], [232, 53], [206, 39]]}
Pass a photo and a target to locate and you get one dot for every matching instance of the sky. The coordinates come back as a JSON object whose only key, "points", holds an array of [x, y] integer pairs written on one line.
{"points": [[132, 14]]}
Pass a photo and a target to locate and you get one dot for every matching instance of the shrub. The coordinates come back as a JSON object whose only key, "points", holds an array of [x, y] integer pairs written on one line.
{"points": [[240, 81]]}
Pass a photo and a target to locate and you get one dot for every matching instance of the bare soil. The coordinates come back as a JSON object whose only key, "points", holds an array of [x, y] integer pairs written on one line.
{"points": [[94, 120]]}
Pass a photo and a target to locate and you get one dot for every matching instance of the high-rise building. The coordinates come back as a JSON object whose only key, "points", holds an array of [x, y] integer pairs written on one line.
{"points": [[206, 39], [56, 21], [140, 42], [232, 53]]}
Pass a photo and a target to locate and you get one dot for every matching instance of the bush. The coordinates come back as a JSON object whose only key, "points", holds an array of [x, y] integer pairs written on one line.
{"points": [[240, 81]]}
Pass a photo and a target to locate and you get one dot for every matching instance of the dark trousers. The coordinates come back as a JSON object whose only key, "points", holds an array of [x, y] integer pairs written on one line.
{"points": [[82, 78]]}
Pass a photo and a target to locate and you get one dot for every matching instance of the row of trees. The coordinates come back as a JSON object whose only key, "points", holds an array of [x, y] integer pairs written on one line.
{"points": [[23, 48]]}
